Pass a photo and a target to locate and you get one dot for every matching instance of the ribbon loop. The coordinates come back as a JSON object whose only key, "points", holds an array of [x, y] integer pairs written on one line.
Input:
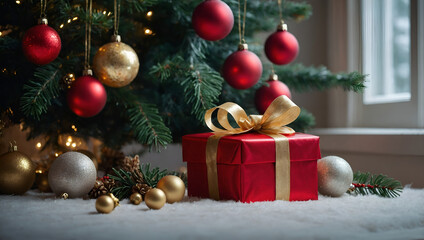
{"points": [[281, 112]]}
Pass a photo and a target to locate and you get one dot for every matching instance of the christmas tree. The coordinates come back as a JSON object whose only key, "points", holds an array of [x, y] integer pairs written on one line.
{"points": [[179, 73]]}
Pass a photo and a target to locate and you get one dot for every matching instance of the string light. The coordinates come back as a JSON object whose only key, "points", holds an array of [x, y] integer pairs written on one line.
{"points": [[109, 13], [56, 154], [18, 2], [69, 20], [104, 12], [1, 33], [75, 18], [74, 128], [148, 31], [149, 13], [68, 144], [74, 145], [61, 25], [38, 145]]}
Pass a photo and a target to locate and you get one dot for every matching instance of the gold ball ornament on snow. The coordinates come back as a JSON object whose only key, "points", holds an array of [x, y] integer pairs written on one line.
{"points": [[155, 198], [42, 181], [334, 176], [136, 198], [116, 64], [17, 172], [173, 187], [73, 173], [106, 203]]}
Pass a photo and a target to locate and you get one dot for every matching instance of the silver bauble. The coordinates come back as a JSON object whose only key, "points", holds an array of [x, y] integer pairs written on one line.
{"points": [[73, 173], [334, 176]]}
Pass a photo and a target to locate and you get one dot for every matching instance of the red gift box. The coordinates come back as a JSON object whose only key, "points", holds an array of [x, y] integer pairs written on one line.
{"points": [[246, 166]]}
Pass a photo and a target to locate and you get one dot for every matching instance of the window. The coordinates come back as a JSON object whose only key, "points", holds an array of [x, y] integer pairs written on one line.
{"points": [[386, 50]]}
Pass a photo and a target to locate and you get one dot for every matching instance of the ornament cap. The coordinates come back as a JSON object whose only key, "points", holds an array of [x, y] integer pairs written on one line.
{"points": [[43, 21], [87, 72], [116, 38], [115, 200], [13, 147], [64, 196], [282, 26], [243, 46], [273, 77]]}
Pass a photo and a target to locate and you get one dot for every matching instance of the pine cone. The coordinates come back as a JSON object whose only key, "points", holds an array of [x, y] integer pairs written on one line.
{"points": [[98, 190], [141, 188], [131, 164], [109, 183]]}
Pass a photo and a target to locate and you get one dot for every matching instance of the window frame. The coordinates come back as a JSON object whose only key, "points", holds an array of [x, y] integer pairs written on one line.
{"points": [[406, 114]]}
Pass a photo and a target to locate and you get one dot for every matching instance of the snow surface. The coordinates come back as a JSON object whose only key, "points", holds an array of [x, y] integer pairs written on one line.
{"points": [[41, 216]]}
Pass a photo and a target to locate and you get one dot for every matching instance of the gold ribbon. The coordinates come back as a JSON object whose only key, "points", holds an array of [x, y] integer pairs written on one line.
{"points": [[281, 112]]}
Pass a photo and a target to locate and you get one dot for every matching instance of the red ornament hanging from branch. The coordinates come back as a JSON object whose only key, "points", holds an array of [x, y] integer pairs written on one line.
{"points": [[242, 69], [281, 47], [268, 93], [41, 44], [212, 20], [87, 96]]}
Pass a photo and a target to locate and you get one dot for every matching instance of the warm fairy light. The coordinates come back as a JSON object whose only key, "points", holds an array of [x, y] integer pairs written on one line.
{"points": [[69, 20], [149, 13], [4, 70], [109, 13], [1, 33], [148, 31], [68, 144], [75, 18], [61, 25], [74, 145], [39, 171], [104, 12], [38, 145], [69, 139], [56, 154], [73, 126], [18, 2]]}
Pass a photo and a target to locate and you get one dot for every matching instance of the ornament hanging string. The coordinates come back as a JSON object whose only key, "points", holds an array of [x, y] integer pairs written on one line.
{"points": [[117, 10], [280, 10], [88, 16], [242, 28], [43, 7]]}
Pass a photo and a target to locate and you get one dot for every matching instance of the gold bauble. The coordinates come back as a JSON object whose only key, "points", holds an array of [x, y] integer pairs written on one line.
{"points": [[136, 198], [155, 198], [116, 64], [17, 172], [42, 181], [91, 156], [68, 79], [173, 187], [105, 204]]}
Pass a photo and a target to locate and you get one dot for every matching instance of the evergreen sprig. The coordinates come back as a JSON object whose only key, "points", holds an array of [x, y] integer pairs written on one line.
{"points": [[381, 185], [40, 91], [150, 176], [301, 78]]}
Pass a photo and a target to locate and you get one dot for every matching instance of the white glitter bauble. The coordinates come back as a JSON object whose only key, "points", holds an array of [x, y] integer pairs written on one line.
{"points": [[334, 176], [73, 173]]}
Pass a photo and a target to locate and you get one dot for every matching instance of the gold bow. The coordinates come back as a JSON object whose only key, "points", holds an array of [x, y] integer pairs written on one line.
{"points": [[281, 112]]}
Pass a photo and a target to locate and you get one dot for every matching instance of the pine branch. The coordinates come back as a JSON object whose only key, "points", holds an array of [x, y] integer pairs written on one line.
{"points": [[202, 87], [381, 185], [39, 93], [301, 79], [150, 176], [304, 122], [148, 125]]}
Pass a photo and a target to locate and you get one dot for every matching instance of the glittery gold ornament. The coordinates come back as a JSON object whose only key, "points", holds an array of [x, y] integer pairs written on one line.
{"points": [[17, 172], [116, 64], [136, 198], [173, 187], [42, 181], [155, 198], [91, 156]]}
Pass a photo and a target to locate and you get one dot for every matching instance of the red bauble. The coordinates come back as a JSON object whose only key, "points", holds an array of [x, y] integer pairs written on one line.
{"points": [[87, 96], [242, 69], [281, 47], [41, 44], [212, 20], [266, 94]]}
